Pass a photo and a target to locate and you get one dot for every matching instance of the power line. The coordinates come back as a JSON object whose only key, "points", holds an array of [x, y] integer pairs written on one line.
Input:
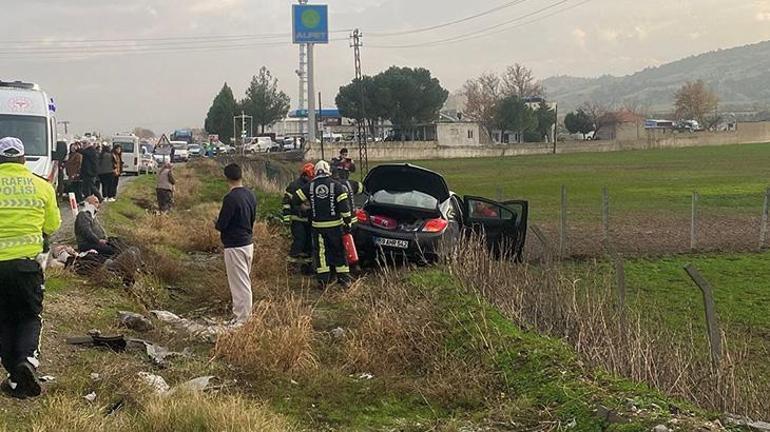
{"points": [[450, 23], [486, 31]]}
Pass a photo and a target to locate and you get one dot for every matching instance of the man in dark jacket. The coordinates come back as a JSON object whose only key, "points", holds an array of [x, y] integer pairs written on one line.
{"points": [[342, 165], [89, 170], [105, 172], [89, 234], [297, 217], [331, 217], [236, 226]]}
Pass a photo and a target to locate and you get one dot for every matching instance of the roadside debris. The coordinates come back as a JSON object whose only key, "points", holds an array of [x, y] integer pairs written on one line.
{"points": [[759, 426], [135, 321], [90, 397], [194, 385], [119, 343], [156, 382], [338, 333], [207, 333]]}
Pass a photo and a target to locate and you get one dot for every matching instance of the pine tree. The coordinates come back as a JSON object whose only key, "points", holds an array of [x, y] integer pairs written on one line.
{"points": [[220, 116]]}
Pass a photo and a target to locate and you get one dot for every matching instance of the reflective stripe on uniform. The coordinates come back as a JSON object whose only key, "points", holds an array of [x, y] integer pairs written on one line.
{"points": [[287, 206], [301, 195], [288, 194], [342, 269], [22, 203], [327, 224], [322, 266], [346, 214], [342, 197], [27, 240]]}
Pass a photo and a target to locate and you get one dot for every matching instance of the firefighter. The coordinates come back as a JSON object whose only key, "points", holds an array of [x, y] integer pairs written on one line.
{"points": [[353, 187], [297, 217], [330, 216], [28, 215]]}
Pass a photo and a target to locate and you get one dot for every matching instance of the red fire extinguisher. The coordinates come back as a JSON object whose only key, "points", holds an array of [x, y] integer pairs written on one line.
{"points": [[350, 248]]}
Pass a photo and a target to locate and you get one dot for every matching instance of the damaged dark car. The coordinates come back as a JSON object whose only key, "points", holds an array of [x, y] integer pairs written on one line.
{"points": [[410, 212]]}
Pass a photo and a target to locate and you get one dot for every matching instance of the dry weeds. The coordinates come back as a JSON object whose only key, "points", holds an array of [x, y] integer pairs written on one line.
{"points": [[278, 339]]}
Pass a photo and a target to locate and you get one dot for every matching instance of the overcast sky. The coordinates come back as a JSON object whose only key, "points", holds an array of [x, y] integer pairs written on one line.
{"points": [[173, 87]]}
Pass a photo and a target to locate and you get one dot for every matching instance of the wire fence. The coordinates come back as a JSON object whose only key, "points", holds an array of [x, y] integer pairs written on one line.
{"points": [[660, 225]]}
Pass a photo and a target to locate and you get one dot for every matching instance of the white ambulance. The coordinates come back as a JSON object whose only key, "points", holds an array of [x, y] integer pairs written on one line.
{"points": [[27, 113]]}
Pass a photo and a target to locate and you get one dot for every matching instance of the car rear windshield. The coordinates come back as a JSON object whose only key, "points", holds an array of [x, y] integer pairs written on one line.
{"points": [[413, 199], [31, 130]]}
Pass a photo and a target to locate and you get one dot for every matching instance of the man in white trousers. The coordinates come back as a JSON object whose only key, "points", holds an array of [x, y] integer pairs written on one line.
{"points": [[236, 227]]}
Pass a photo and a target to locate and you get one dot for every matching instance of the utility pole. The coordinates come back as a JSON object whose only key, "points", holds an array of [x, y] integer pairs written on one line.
{"points": [[66, 124], [321, 119], [555, 127], [242, 118], [311, 121], [302, 74], [363, 152]]}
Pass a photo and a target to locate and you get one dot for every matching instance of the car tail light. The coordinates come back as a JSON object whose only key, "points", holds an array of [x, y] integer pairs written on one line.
{"points": [[435, 225], [384, 222], [362, 216]]}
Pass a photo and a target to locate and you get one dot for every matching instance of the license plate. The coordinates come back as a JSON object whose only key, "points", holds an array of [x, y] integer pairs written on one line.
{"points": [[394, 243]]}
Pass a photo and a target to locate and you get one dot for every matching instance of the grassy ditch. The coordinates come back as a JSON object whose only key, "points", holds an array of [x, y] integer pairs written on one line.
{"points": [[403, 349]]}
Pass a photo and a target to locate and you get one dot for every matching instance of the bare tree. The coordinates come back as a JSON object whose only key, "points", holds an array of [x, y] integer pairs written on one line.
{"points": [[695, 101], [143, 133], [602, 115], [482, 96], [519, 81]]}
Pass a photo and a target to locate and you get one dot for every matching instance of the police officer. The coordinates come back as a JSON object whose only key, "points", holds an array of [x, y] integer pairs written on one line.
{"points": [[297, 217], [28, 212], [330, 216]]}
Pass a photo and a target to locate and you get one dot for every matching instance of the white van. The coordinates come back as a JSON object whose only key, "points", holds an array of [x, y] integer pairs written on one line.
{"points": [[133, 162], [27, 113]]}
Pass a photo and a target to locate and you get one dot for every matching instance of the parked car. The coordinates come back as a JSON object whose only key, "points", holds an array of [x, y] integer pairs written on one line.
{"points": [[259, 145], [195, 150], [181, 154], [409, 211], [223, 148]]}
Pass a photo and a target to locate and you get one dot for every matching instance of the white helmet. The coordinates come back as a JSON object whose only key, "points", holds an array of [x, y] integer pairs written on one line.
{"points": [[322, 167]]}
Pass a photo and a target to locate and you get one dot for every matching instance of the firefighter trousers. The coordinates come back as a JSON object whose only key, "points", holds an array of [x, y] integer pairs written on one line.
{"points": [[21, 304], [329, 254], [302, 242]]}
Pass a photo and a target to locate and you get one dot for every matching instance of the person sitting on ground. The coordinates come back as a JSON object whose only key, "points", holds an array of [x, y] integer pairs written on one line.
{"points": [[165, 188], [89, 233]]}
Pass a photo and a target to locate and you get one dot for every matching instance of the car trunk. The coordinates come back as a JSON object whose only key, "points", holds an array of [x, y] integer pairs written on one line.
{"points": [[396, 218]]}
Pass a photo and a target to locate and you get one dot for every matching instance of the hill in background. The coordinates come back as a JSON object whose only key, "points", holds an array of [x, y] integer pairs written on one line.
{"points": [[740, 76]]}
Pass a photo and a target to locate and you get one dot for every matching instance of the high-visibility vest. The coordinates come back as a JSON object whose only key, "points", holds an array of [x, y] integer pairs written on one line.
{"points": [[28, 209]]}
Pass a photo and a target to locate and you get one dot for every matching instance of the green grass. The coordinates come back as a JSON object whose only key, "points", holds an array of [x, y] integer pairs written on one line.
{"points": [[730, 178]]}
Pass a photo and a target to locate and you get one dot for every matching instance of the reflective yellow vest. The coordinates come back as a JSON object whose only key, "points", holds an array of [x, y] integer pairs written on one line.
{"points": [[28, 210]]}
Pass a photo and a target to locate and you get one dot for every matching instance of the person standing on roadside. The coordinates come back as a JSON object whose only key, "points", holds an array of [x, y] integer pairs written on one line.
{"points": [[165, 188], [28, 214], [343, 165], [72, 168], [117, 170], [105, 172], [89, 170], [236, 226], [297, 218]]}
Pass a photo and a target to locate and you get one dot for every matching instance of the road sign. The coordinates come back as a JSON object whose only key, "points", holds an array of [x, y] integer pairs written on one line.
{"points": [[310, 24], [163, 141]]}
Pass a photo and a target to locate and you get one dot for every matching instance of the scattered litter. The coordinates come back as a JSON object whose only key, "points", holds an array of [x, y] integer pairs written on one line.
{"points": [[115, 343], [733, 420], [135, 321], [194, 385], [363, 376], [156, 382], [47, 378], [90, 397], [95, 376], [294, 382], [157, 354], [338, 333], [661, 428], [208, 333], [572, 424]]}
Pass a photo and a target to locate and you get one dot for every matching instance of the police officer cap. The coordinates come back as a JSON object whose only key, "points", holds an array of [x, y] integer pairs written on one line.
{"points": [[11, 147]]}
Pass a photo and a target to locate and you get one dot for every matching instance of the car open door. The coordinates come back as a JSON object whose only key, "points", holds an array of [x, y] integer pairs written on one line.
{"points": [[504, 225]]}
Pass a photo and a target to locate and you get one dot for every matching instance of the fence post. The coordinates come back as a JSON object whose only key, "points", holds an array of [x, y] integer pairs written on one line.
{"points": [[712, 324], [694, 222], [763, 227], [606, 217], [563, 223], [544, 240]]}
